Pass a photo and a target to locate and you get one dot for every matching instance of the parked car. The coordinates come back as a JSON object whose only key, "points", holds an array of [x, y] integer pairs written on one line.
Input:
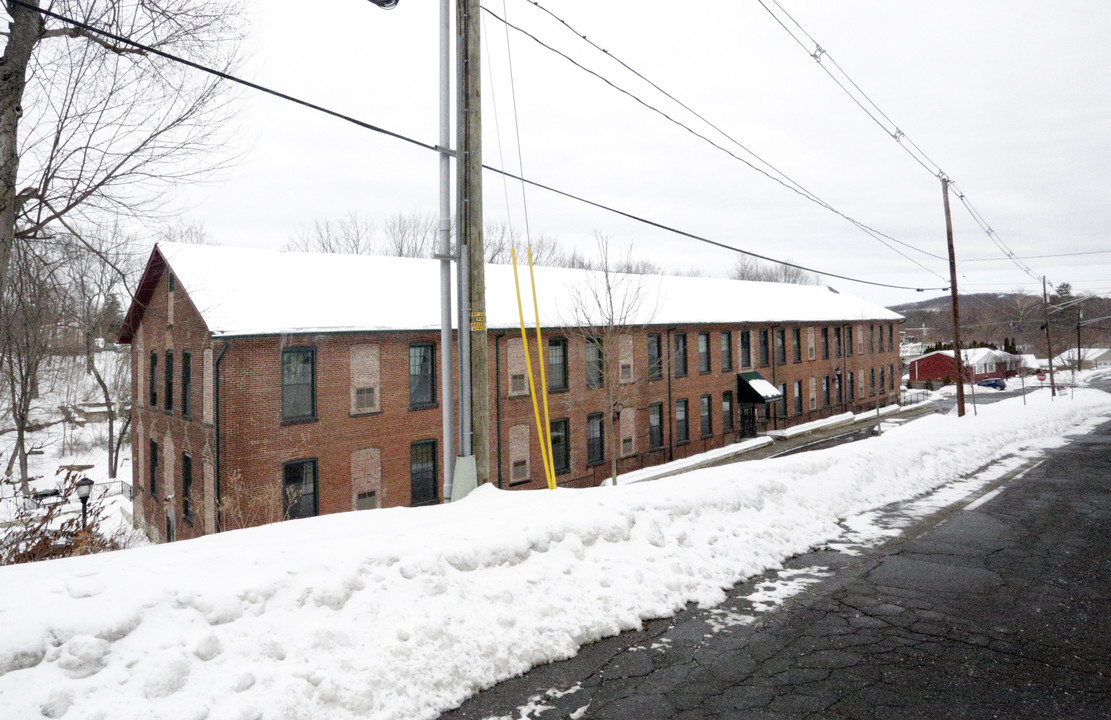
{"points": [[997, 383]]}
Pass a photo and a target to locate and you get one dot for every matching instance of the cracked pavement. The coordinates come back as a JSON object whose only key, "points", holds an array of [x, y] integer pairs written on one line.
{"points": [[1002, 610]]}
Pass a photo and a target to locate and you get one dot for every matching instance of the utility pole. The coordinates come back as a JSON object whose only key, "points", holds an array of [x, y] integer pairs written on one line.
{"points": [[474, 380], [953, 294], [1048, 341]]}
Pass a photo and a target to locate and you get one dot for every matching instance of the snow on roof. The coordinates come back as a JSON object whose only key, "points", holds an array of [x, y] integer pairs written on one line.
{"points": [[973, 356], [765, 388], [1088, 354], [242, 291]]}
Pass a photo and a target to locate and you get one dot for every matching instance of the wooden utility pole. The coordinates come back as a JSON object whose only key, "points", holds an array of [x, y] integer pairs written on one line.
{"points": [[476, 428], [953, 293], [1048, 341]]}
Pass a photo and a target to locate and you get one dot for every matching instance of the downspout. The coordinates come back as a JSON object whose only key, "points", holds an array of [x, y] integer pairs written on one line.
{"points": [[216, 423], [497, 401], [670, 430], [771, 356]]}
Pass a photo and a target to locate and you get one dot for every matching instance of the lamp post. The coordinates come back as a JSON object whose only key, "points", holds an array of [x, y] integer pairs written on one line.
{"points": [[84, 488], [443, 248]]}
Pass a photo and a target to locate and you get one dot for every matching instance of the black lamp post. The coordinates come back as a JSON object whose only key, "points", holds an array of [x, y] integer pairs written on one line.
{"points": [[84, 488]]}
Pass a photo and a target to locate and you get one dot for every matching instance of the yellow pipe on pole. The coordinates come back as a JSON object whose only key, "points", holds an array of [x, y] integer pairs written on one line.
{"points": [[543, 374], [531, 384]]}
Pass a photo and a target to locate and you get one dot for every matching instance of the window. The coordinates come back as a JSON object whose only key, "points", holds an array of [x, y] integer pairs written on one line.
{"points": [[366, 375], [625, 358], [153, 380], [840, 391], [704, 352], [153, 469], [852, 386], [170, 283], [366, 478], [726, 351], [825, 391], [561, 448], [298, 384], [727, 411], [881, 338], [655, 357], [872, 384], [825, 343], [595, 363], [796, 345], [891, 376], [798, 397], [520, 450], [680, 355], [422, 473], [656, 425], [557, 364], [186, 384], [782, 402], [628, 430], [764, 348], [781, 346], [849, 341], [746, 348], [872, 338], [169, 378], [706, 417], [187, 487], [890, 337], [595, 439], [299, 489], [883, 382], [422, 375], [682, 428], [837, 342]]}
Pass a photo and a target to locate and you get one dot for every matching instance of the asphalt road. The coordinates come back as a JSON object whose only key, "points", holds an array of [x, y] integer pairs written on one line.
{"points": [[997, 608]]}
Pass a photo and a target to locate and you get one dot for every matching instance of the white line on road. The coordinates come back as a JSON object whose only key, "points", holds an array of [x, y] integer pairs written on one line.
{"points": [[983, 499]]}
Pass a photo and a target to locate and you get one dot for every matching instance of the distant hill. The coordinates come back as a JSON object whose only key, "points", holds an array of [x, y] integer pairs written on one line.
{"points": [[989, 318]]}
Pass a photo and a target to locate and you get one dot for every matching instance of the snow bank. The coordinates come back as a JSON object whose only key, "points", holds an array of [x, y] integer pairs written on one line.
{"points": [[403, 613]]}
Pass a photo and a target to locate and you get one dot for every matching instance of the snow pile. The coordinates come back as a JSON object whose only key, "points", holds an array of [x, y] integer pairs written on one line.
{"points": [[403, 613]]}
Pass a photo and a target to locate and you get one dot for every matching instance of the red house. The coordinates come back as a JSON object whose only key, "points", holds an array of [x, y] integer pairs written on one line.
{"points": [[979, 364], [275, 385]]}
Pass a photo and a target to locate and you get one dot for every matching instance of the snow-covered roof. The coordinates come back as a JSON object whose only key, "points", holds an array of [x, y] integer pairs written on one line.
{"points": [[1088, 354], [765, 388], [241, 291], [974, 356]]}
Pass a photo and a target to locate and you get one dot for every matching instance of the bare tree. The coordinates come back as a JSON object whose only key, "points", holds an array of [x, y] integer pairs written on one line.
{"points": [[186, 233], [352, 235], [746, 267], [500, 240], [411, 234], [90, 127], [29, 322], [95, 273], [604, 310]]}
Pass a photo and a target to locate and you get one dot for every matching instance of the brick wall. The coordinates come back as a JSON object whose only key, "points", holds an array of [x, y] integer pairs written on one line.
{"points": [[360, 449], [162, 513]]}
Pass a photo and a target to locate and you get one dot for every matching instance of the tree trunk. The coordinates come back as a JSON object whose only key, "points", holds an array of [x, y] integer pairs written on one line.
{"points": [[24, 32], [113, 460]]}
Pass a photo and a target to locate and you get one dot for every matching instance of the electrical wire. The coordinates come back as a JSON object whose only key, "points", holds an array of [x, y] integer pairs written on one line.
{"points": [[517, 131], [784, 180], [1040, 257], [861, 99], [396, 135]]}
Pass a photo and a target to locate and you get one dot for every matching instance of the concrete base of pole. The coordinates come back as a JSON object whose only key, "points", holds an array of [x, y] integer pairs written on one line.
{"points": [[466, 478]]}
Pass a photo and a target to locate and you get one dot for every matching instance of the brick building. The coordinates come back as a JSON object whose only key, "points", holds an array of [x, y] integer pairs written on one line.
{"points": [[979, 364], [271, 385]]}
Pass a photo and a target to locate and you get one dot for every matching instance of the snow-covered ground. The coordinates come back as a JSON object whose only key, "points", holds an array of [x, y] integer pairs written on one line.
{"points": [[402, 613]]}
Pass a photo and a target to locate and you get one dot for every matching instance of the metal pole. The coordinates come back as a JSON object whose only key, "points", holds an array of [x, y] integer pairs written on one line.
{"points": [[953, 294], [444, 248]]}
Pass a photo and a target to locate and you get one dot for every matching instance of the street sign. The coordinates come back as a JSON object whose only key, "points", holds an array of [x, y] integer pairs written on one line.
{"points": [[1041, 377]]}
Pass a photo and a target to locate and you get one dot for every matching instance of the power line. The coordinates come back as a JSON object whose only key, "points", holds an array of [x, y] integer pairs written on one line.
{"points": [[870, 108], [254, 86], [783, 179], [1040, 257]]}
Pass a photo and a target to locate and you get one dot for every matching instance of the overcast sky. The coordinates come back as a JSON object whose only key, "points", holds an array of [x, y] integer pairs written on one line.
{"points": [[1012, 98]]}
